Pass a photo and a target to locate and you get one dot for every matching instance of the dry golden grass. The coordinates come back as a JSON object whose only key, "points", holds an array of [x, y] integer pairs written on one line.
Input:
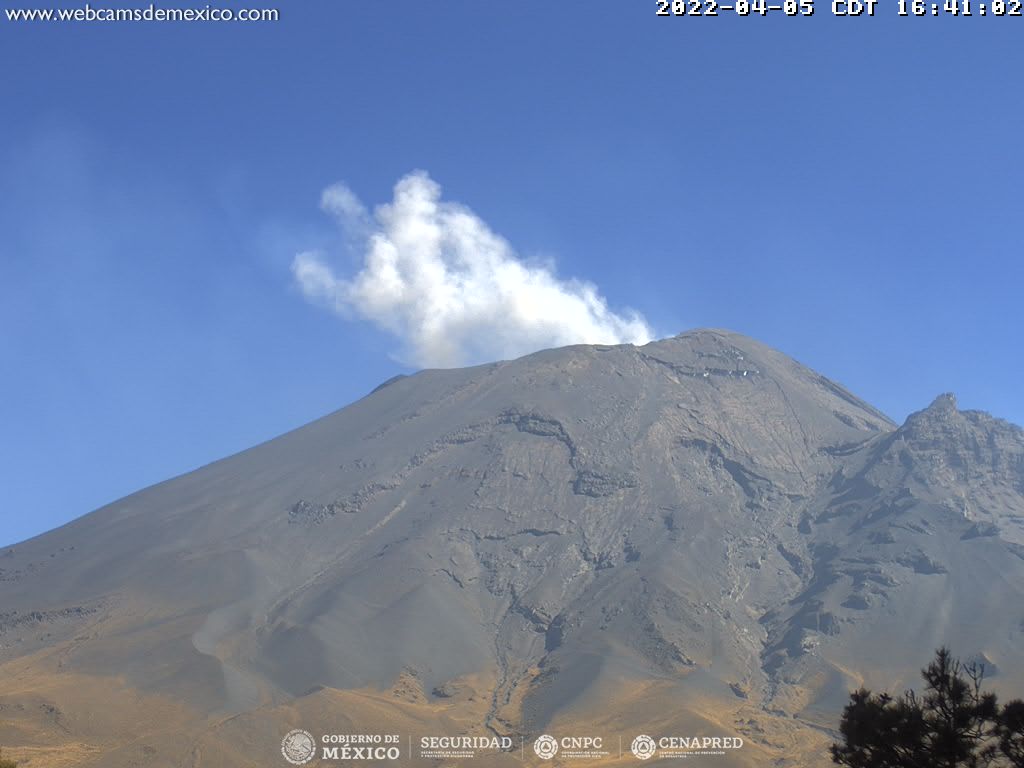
{"points": [[54, 718]]}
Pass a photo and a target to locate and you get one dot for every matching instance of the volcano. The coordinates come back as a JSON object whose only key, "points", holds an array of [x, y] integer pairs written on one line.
{"points": [[697, 537]]}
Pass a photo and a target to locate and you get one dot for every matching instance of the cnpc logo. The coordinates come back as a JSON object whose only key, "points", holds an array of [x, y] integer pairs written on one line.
{"points": [[546, 746]]}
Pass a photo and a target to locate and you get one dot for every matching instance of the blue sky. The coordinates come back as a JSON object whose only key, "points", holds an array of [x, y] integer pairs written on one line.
{"points": [[846, 190]]}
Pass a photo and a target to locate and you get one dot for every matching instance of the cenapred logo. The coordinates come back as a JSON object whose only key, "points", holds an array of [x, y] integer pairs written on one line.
{"points": [[298, 747], [546, 747], [643, 747]]}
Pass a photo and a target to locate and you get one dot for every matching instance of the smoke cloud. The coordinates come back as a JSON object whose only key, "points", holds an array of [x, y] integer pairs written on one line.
{"points": [[452, 291]]}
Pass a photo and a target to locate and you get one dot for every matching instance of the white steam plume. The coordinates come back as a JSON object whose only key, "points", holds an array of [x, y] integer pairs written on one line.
{"points": [[449, 288]]}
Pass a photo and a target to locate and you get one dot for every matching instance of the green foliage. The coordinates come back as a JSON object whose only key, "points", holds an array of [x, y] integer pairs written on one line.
{"points": [[955, 724]]}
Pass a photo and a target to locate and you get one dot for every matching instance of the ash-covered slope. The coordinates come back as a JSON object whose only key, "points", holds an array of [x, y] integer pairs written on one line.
{"points": [[700, 522]]}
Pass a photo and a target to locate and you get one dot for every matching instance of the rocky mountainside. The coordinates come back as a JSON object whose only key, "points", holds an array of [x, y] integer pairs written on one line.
{"points": [[697, 535]]}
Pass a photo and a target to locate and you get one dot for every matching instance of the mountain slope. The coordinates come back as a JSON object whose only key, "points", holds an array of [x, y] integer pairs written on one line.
{"points": [[586, 537]]}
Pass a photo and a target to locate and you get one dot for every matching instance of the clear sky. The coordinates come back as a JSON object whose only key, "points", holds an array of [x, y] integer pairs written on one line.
{"points": [[847, 190]]}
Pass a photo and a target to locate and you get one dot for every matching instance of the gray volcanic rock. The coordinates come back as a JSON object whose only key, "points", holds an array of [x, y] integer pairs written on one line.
{"points": [[700, 509]]}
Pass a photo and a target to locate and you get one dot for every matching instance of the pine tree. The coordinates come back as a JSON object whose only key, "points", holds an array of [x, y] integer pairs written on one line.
{"points": [[1011, 733], [955, 724]]}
